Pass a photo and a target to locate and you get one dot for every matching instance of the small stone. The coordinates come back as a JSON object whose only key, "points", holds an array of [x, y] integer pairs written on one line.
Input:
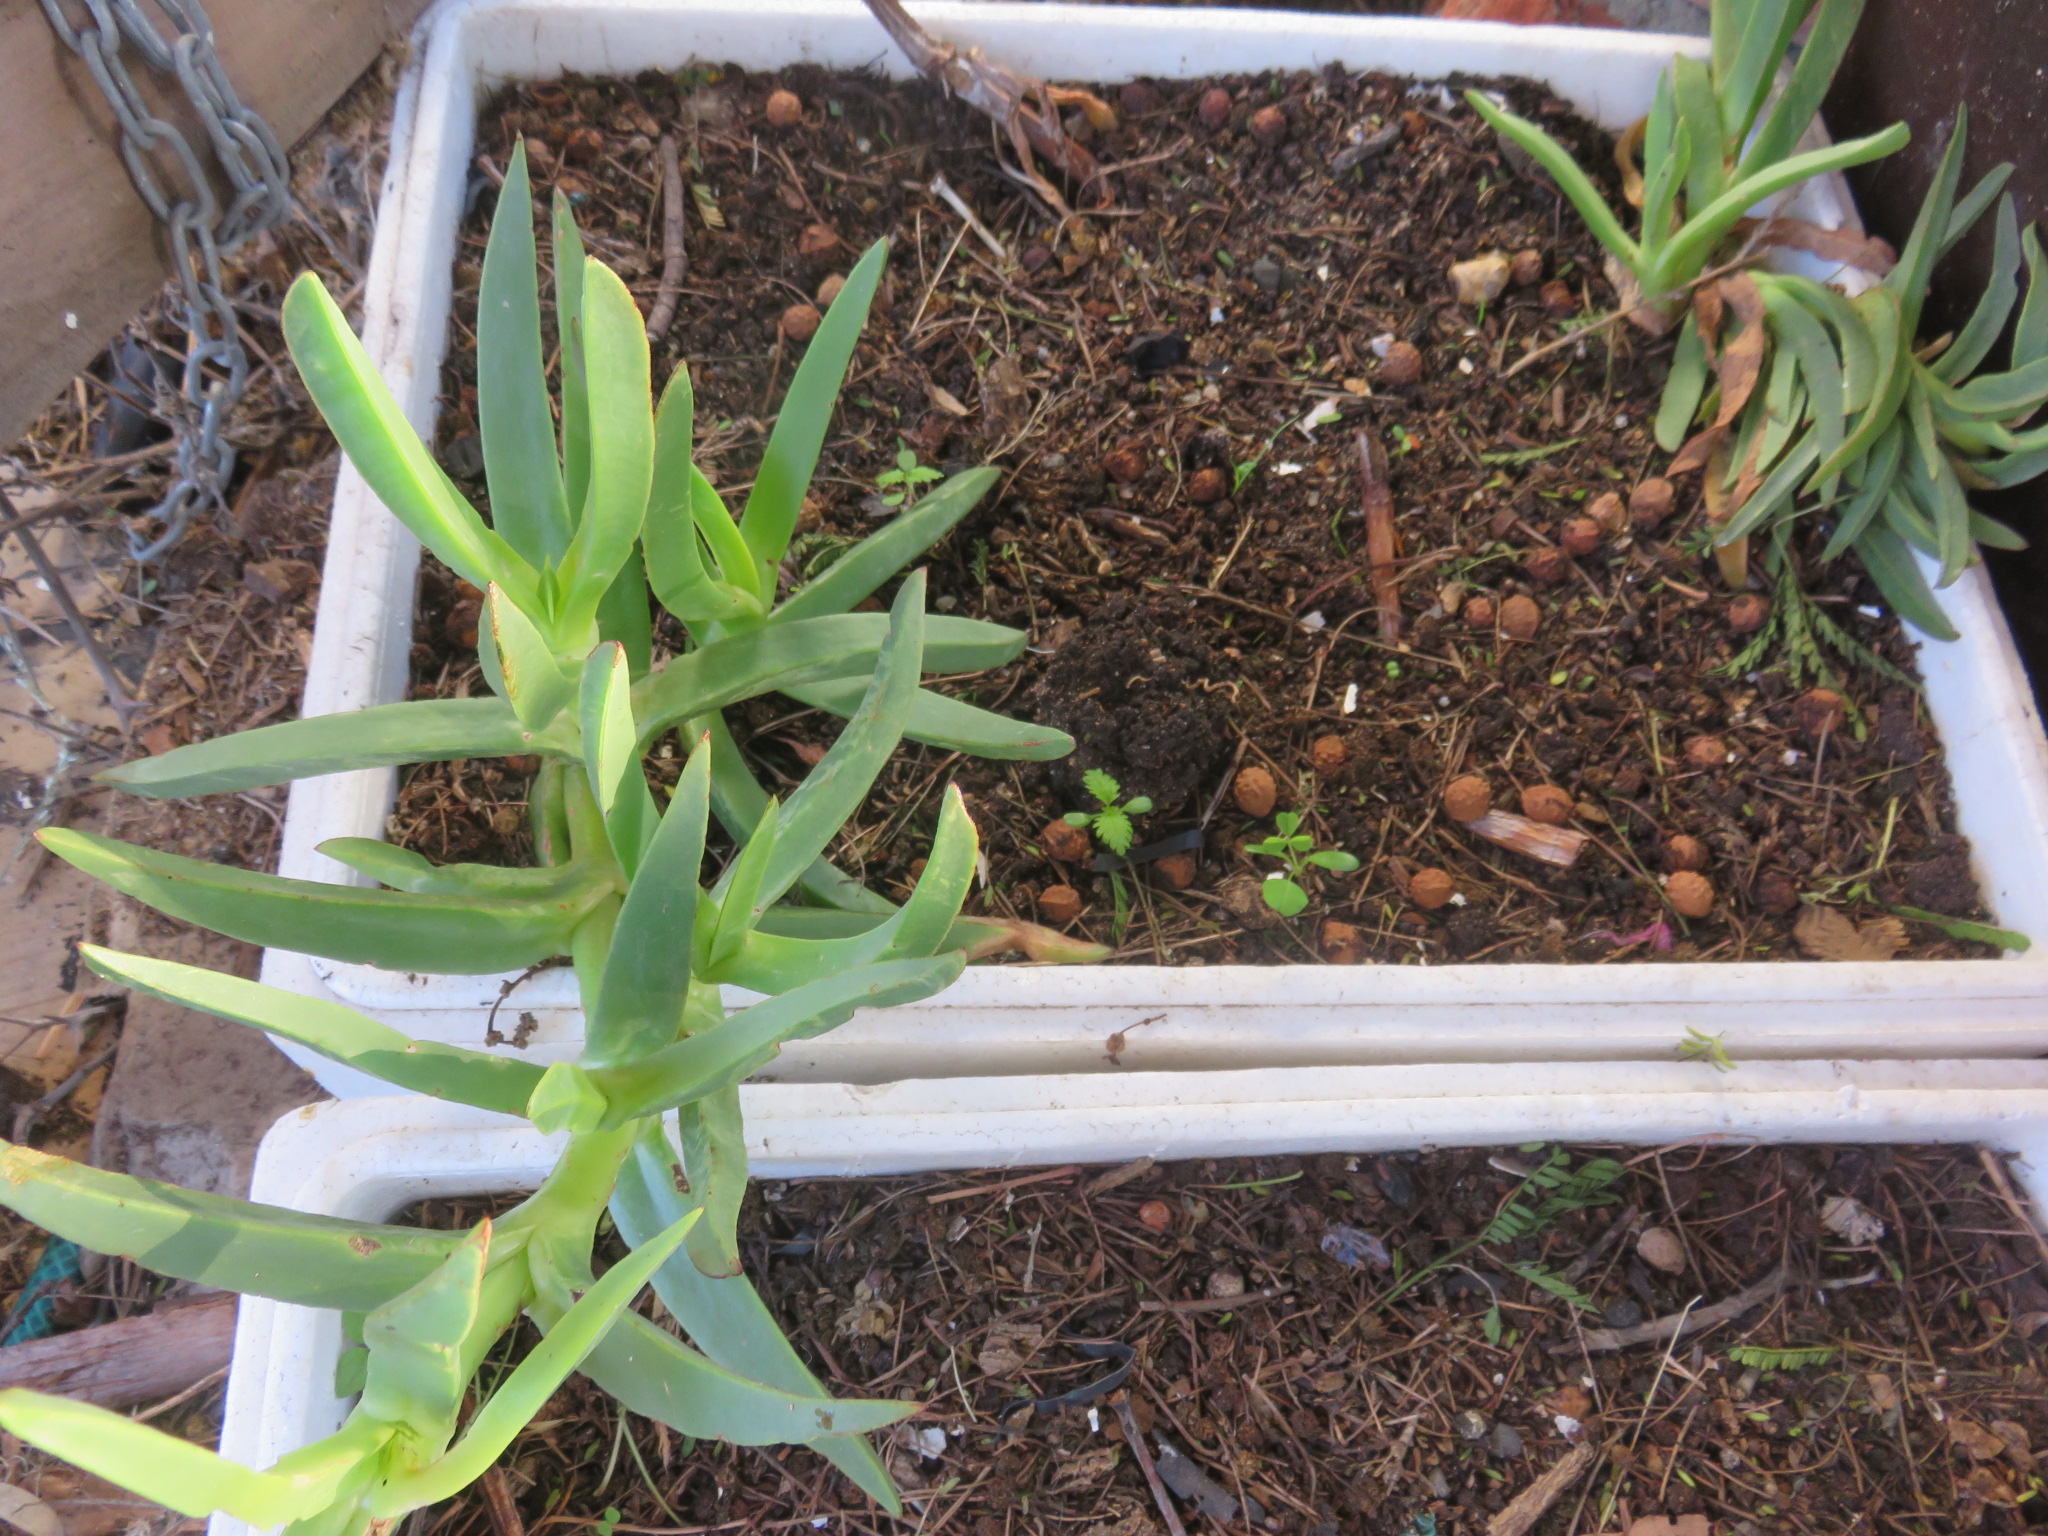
{"points": [[1451, 598], [1558, 302], [817, 240], [1224, 1284], [1777, 894], [1527, 270], [1431, 888], [1610, 512], [1214, 108], [1207, 486], [1138, 98], [1621, 1313], [1478, 612], [1328, 755], [1547, 565], [1684, 852], [1343, 943], [1268, 274], [1064, 841], [800, 322], [785, 109], [1035, 257], [1650, 503], [1505, 1443], [1471, 1424], [1748, 613], [1520, 618], [1660, 1248], [279, 581], [1060, 904], [1548, 804], [1819, 712], [830, 289], [1156, 1214], [1177, 870], [1124, 465], [1269, 126], [1703, 752], [1402, 364], [1255, 792], [1480, 280], [1690, 893], [1468, 798], [1581, 536]]}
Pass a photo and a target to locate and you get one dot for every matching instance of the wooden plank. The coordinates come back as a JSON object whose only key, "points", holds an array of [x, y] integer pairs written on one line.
{"points": [[79, 253], [135, 1362]]}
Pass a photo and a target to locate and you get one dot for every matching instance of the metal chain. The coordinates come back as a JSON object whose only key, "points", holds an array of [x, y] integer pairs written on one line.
{"points": [[201, 230]]}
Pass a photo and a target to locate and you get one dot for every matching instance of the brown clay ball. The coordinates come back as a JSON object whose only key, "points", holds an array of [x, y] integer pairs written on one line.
{"points": [[1177, 870], [1431, 888], [785, 109], [1690, 893], [1819, 712], [1468, 798], [1035, 257], [1123, 465], [1402, 364], [1156, 1214], [1064, 841], [1706, 752], [1060, 904], [1208, 485], [582, 146], [1650, 503], [1328, 755], [1548, 804], [1548, 565], [1214, 109], [800, 322], [1255, 792], [1478, 611], [1343, 944], [1581, 536], [1269, 125], [1526, 271], [1609, 511], [1558, 302], [1777, 894], [1520, 618], [1139, 97], [1684, 852], [1748, 612], [817, 240], [830, 289]]}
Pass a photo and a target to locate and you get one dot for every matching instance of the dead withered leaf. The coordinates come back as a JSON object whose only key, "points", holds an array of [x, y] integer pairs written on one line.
{"points": [[1090, 1467], [1848, 1220], [1884, 1397], [869, 1314], [1742, 360], [1005, 397], [945, 400], [1134, 1523], [1979, 1442], [1829, 934], [1008, 1348], [1665, 1525], [25, 1512]]}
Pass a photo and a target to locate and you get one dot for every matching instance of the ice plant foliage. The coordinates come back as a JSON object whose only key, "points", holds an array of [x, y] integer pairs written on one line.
{"points": [[583, 523]]}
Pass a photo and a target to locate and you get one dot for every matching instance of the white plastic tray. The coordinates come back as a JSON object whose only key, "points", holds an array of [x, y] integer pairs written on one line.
{"points": [[366, 1158], [1032, 1019]]}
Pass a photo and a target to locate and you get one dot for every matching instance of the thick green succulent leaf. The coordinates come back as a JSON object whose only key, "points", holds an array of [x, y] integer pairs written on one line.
{"points": [[939, 720], [1664, 176], [1908, 279], [1699, 114], [514, 416], [639, 1003], [1897, 574], [1683, 386], [1970, 206], [1990, 531], [566, 1099], [1564, 170], [1744, 76], [1998, 395], [568, 1340], [520, 665], [1820, 369], [685, 585], [417, 1372], [404, 870], [778, 656], [863, 569], [176, 1473], [1879, 310], [714, 1142], [729, 1321], [2030, 335], [1872, 478], [385, 450], [726, 1054], [619, 393], [336, 1032], [1994, 306], [791, 456], [1853, 344], [384, 736], [465, 935], [1794, 110], [625, 616], [738, 892], [259, 1250], [568, 264], [734, 560], [604, 708]]}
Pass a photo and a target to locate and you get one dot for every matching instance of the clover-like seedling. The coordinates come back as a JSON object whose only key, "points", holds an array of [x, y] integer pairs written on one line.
{"points": [[1112, 824], [900, 484], [1294, 847], [1698, 1045]]}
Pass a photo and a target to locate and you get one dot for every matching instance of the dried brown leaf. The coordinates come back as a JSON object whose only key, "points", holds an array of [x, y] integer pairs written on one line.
{"points": [[1974, 1438], [1826, 933], [1742, 360]]}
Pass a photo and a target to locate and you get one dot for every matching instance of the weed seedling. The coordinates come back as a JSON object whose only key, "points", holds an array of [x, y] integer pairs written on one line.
{"points": [[1700, 1046], [899, 485], [1282, 889], [1112, 824]]}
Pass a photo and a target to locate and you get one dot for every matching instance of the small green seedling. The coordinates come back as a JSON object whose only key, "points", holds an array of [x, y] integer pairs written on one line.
{"points": [[1112, 824], [1282, 889], [1700, 1046], [900, 484]]}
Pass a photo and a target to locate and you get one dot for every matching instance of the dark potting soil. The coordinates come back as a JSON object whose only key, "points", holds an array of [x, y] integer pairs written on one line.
{"points": [[1334, 1343], [1176, 388]]}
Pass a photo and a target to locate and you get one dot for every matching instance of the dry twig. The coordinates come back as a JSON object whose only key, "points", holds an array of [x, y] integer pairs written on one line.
{"points": [[675, 264], [1532, 1501], [1678, 1324], [1382, 544]]}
